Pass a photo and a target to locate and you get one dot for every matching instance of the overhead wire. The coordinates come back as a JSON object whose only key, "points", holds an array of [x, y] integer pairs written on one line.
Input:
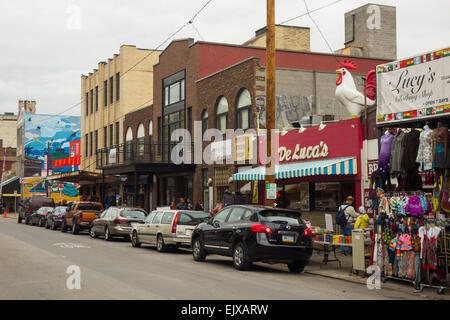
{"points": [[145, 57]]}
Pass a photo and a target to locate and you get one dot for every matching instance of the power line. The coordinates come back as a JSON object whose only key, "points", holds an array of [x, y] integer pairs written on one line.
{"points": [[149, 54], [305, 14], [323, 36]]}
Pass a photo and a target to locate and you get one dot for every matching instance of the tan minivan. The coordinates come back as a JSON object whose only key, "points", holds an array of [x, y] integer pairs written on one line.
{"points": [[167, 228]]}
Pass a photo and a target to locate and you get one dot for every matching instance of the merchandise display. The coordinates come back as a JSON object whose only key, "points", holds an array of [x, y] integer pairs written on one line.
{"points": [[412, 240]]}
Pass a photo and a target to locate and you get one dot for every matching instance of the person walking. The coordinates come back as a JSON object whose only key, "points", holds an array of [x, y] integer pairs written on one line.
{"points": [[363, 220], [347, 226], [181, 205], [227, 198]]}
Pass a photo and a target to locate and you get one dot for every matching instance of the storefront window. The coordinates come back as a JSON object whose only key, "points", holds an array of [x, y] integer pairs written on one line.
{"points": [[326, 196], [296, 196]]}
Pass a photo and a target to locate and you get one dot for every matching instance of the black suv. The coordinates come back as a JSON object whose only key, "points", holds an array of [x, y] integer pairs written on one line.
{"points": [[255, 233]]}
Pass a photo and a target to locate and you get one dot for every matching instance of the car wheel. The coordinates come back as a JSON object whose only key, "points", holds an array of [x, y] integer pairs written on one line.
{"points": [[75, 227], [198, 252], [107, 234], [241, 261], [92, 232], [135, 240], [296, 267], [19, 219], [160, 245], [63, 226]]}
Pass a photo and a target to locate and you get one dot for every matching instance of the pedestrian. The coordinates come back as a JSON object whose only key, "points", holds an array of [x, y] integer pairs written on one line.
{"points": [[227, 197], [199, 207], [189, 205], [363, 220], [181, 205], [217, 208], [350, 217], [172, 205]]}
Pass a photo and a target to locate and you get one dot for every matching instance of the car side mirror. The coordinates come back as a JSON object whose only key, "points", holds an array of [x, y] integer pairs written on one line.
{"points": [[216, 224]]}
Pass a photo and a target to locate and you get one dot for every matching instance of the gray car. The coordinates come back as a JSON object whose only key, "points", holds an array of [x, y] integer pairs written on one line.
{"points": [[117, 222]]}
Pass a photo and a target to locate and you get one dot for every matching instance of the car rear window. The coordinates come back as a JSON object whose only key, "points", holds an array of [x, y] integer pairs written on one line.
{"points": [[192, 218], [281, 216], [133, 214], [167, 218], [90, 207]]}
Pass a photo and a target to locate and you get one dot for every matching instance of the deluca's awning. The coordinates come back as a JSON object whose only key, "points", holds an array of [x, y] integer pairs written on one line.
{"points": [[338, 166]]}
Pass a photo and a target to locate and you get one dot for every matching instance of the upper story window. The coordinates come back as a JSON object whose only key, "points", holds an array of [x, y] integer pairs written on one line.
{"points": [[204, 121], [174, 88], [244, 104], [222, 115]]}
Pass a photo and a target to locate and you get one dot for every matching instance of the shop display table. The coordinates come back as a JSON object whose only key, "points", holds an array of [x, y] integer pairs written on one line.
{"points": [[331, 247]]}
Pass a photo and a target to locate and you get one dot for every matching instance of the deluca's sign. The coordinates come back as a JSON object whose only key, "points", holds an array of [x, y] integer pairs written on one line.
{"points": [[418, 87], [302, 153]]}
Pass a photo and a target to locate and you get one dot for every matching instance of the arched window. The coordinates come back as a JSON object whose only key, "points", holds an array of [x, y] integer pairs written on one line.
{"points": [[244, 104], [129, 143], [150, 128], [129, 136], [140, 139], [222, 114], [204, 121]]}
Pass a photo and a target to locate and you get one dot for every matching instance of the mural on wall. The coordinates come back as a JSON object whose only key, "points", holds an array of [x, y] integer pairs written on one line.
{"points": [[54, 141], [59, 191]]}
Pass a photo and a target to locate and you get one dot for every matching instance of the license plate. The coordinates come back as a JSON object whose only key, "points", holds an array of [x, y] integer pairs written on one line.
{"points": [[188, 232], [287, 238]]}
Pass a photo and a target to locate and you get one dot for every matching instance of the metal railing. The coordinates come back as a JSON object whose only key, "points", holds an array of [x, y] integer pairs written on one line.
{"points": [[140, 151]]}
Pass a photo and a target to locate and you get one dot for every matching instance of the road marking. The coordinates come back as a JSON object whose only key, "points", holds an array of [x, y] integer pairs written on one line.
{"points": [[71, 245]]}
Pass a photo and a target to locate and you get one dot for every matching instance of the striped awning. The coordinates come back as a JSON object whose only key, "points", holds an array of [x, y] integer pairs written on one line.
{"points": [[338, 166]]}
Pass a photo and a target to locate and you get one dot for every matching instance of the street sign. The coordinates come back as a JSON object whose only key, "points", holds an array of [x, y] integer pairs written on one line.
{"points": [[271, 191]]}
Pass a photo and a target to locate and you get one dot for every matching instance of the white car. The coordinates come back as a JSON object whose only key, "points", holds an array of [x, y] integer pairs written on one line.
{"points": [[164, 228]]}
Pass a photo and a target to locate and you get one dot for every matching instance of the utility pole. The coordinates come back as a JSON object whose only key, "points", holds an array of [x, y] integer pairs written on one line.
{"points": [[3, 170], [270, 95]]}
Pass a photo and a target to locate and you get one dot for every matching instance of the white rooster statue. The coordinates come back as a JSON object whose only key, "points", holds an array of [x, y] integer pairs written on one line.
{"points": [[346, 92]]}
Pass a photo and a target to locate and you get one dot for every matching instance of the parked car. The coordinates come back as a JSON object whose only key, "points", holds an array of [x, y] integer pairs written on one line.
{"points": [[39, 217], [249, 233], [31, 205], [117, 221], [80, 216], [167, 228], [54, 220]]}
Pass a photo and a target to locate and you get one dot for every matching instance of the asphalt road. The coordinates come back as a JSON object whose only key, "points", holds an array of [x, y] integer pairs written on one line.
{"points": [[34, 261]]}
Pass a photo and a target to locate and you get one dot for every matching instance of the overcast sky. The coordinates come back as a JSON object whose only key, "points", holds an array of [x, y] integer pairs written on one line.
{"points": [[44, 50]]}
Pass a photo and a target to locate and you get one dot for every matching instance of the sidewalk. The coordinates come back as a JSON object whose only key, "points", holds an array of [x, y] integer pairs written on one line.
{"points": [[332, 270]]}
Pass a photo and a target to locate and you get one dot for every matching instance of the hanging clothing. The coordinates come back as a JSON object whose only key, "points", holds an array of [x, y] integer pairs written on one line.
{"points": [[425, 152], [398, 147], [440, 149], [411, 149], [414, 206], [386, 142]]}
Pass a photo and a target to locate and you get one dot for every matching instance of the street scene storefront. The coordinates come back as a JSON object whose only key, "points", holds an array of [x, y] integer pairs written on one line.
{"points": [[316, 168]]}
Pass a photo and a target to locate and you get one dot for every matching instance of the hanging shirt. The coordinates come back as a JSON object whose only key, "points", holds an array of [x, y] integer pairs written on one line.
{"points": [[410, 152], [385, 155], [440, 150], [398, 147], [425, 152]]}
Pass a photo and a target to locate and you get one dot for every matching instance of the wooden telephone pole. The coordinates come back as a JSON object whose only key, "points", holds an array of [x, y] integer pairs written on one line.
{"points": [[270, 95]]}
